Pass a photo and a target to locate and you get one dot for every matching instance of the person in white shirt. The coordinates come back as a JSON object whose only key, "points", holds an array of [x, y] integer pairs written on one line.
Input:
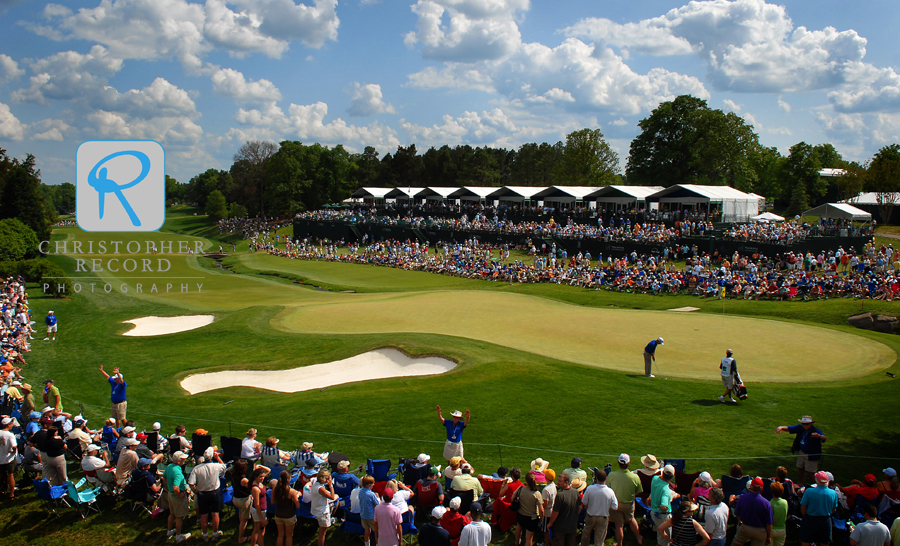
{"points": [[8, 447], [716, 517], [250, 448], [870, 532], [477, 533], [97, 470], [402, 494], [598, 500]]}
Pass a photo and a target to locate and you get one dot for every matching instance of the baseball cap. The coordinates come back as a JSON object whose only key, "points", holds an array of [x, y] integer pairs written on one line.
{"points": [[209, 453], [822, 476], [306, 445], [129, 442], [438, 512], [476, 508], [127, 430], [343, 465], [624, 458], [870, 479], [830, 476], [423, 458], [661, 341], [92, 447], [757, 482], [141, 436], [143, 461], [179, 456], [16, 383], [705, 477], [156, 426], [9, 420], [576, 462], [669, 469], [310, 463], [455, 503], [201, 431], [389, 493], [435, 470], [889, 472]]}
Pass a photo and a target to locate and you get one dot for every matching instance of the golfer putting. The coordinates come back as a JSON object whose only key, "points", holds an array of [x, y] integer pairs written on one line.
{"points": [[650, 356]]}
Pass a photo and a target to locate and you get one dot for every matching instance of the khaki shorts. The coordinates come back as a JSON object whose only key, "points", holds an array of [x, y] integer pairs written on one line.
{"points": [[180, 507], [324, 520], [286, 521], [453, 449], [804, 463], [51, 329], [117, 411], [728, 381], [243, 506], [368, 524], [623, 514]]}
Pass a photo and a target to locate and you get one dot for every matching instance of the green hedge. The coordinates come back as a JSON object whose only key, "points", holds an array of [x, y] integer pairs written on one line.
{"points": [[38, 270]]}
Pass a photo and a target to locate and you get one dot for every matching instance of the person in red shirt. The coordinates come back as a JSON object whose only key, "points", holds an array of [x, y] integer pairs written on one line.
{"points": [[454, 522], [866, 489]]}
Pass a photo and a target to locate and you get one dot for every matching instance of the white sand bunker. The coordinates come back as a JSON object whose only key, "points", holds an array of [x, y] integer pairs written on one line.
{"points": [[378, 364], [158, 326], [684, 309]]}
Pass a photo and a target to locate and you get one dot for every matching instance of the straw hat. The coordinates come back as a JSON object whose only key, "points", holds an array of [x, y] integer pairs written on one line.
{"points": [[650, 462], [539, 465]]}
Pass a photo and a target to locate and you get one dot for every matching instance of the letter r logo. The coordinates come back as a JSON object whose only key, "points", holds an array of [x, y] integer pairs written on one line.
{"points": [[120, 185]]}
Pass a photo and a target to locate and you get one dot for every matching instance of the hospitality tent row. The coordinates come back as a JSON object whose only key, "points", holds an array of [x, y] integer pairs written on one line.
{"points": [[838, 211], [731, 205], [615, 196]]}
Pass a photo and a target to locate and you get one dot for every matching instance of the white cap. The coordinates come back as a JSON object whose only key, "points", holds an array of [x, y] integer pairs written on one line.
{"points": [[423, 458], [127, 430], [669, 469], [179, 456], [660, 340], [705, 477], [156, 426], [438, 512], [624, 458], [92, 447], [455, 503], [9, 421]]}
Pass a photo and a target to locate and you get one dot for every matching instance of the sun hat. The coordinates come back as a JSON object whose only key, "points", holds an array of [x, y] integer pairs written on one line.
{"points": [[705, 477], [579, 485], [343, 465], [423, 458], [624, 458], [539, 465], [47, 409], [26, 387], [456, 413], [687, 505], [889, 472], [806, 420], [306, 445], [438, 512], [822, 476], [650, 462]]}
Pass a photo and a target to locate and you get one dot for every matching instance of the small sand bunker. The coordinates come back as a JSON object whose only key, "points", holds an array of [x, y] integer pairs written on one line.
{"points": [[378, 364], [158, 326], [684, 309]]}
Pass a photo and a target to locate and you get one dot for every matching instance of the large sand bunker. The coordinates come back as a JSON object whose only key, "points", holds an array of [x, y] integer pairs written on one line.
{"points": [[158, 326], [378, 364]]}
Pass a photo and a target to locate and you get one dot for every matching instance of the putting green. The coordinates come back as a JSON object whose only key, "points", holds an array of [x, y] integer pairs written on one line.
{"points": [[765, 350]]}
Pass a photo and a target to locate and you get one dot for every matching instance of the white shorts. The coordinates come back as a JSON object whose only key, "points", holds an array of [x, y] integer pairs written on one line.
{"points": [[453, 449]]}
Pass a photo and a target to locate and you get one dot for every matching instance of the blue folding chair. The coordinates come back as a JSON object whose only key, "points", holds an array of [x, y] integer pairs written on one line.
{"points": [[379, 468], [86, 500], [52, 496], [734, 486], [678, 464], [352, 525], [408, 526], [304, 511]]}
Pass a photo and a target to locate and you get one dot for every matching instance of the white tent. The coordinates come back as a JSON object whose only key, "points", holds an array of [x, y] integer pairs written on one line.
{"points": [[517, 194], [436, 193], [842, 211], [623, 196], [371, 194], [871, 199], [767, 217], [565, 194], [736, 206], [473, 193]]}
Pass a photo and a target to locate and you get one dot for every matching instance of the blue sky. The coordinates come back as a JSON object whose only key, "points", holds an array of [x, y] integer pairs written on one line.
{"points": [[203, 77]]}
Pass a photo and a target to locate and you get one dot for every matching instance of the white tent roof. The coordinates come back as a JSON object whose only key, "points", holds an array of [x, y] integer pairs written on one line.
{"points": [[436, 192], [838, 210], [404, 192], [521, 192], [639, 193], [869, 198], [767, 217], [371, 193], [715, 194], [831, 173], [481, 192], [566, 193]]}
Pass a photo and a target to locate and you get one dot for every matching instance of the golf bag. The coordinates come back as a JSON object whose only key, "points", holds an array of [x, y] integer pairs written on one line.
{"points": [[739, 390]]}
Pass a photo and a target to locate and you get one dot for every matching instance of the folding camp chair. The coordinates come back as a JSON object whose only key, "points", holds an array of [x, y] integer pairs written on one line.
{"points": [[408, 525], [734, 486], [684, 482], [379, 468], [52, 496], [85, 501], [490, 485], [677, 464], [231, 448], [412, 474], [466, 499], [199, 444], [352, 525], [343, 486], [153, 441]]}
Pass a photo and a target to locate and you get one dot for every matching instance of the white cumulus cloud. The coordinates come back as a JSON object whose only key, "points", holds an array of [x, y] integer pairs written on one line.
{"points": [[232, 83], [10, 126], [9, 69], [367, 100], [50, 129]]}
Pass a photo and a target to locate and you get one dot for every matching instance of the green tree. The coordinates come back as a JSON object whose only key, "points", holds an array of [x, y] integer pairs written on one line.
{"points": [[236, 210], [852, 182], [216, 207], [17, 241], [883, 178], [249, 170], [287, 178], [176, 192], [22, 197], [407, 166], [802, 168], [439, 168], [588, 160]]}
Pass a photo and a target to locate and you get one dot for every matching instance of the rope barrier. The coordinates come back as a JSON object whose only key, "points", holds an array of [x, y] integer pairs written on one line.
{"points": [[497, 445]]}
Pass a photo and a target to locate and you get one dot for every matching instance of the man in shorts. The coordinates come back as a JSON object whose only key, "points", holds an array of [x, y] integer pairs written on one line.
{"points": [[626, 485], [51, 326], [368, 500], [454, 446], [728, 367], [808, 443], [177, 496], [8, 447], [117, 395], [816, 507], [204, 481]]}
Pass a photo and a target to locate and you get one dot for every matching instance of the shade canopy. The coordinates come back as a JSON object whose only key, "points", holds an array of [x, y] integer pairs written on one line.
{"points": [[841, 211], [767, 217]]}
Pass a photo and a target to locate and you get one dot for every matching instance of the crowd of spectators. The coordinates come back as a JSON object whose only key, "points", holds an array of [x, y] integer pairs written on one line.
{"points": [[249, 227], [872, 272]]}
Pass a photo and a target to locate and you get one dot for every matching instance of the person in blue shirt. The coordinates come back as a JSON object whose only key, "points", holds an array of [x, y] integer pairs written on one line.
{"points": [[650, 356], [51, 326], [118, 395], [807, 444], [453, 447]]}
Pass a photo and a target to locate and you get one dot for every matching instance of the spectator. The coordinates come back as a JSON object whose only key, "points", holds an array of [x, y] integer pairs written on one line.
{"points": [[27, 399], [871, 532], [466, 481], [177, 496], [685, 529], [626, 486], [531, 509], [661, 498], [32, 459], [564, 519], [548, 496], [260, 505], [598, 500], [51, 396], [272, 456], [306, 453], [755, 517], [287, 501], [240, 484], [432, 534], [53, 451], [8, 449], [453, 521], [179, 441], [204, 480], [816, 507], [716, 524], [96, 467], [368, 500], [118, 396], [455, 426], [51, 326], [128, 459], [575, 471], [808, 443], [323, 491], [780, 512], [83, 434], [402, 494], [702, 486], [865, 489], [143, 483], [429, 492], [477, 532], [144, 451], [388, 521], [250, 448]]}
